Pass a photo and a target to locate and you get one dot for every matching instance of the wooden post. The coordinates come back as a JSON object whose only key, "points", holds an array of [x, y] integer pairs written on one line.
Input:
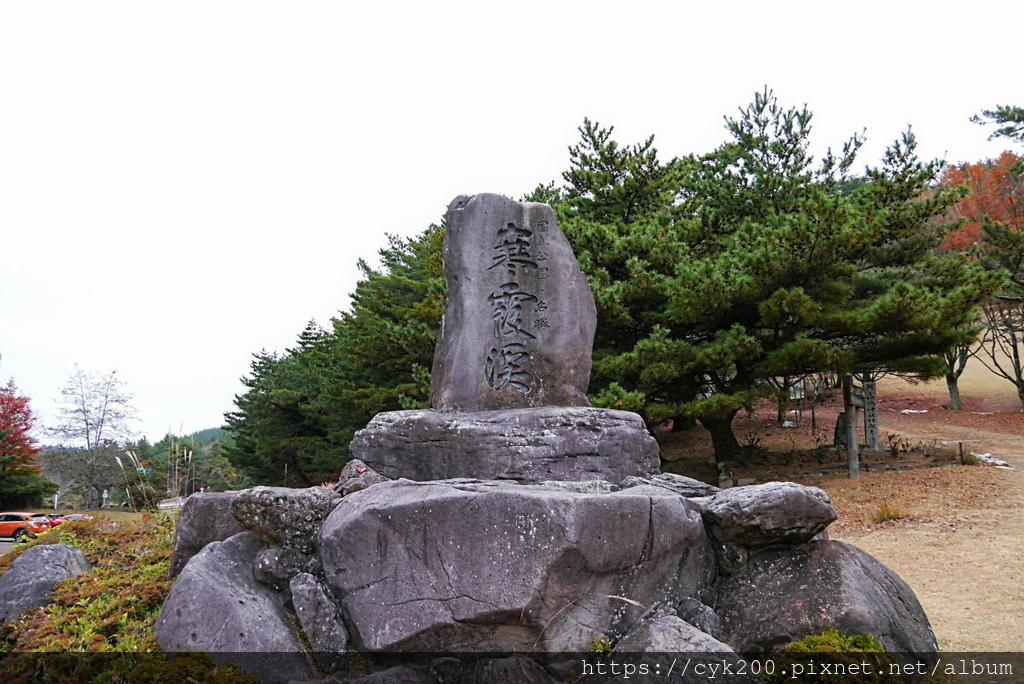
{"points": [[852, 438]]}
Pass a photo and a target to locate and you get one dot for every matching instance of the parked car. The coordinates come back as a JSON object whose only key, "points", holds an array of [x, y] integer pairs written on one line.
{"points": [[70, 517], [21, 526]]}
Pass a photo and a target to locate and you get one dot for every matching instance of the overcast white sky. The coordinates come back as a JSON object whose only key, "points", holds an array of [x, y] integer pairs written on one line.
{"points": [[183, 184]]}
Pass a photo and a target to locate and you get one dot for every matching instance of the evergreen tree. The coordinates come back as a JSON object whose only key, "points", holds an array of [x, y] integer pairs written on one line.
{"points": [[768, 265], [1009, 121], [303, 407]]}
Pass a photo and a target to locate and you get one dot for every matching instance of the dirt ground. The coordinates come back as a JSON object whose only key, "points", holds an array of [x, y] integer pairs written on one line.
{"points": [[955, 533]]}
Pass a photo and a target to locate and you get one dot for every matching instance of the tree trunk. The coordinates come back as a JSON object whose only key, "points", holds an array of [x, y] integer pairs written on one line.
{"points": [[1020, 395], [722, 437], [683, 423], [954, 391]]}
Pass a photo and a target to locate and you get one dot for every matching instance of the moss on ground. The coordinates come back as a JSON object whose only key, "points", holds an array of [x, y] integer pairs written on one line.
{"points": [[101, 623]]}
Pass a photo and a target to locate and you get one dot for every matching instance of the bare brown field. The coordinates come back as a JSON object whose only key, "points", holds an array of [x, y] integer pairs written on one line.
{"points": [[957, 533]]}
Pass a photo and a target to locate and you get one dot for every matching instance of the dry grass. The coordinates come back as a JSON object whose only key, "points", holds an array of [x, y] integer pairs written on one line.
{"points": [[954, 533], [960, 546]]}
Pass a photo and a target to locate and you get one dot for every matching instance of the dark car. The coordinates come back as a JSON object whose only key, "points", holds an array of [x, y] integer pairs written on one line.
{"points": [[21, 526]]}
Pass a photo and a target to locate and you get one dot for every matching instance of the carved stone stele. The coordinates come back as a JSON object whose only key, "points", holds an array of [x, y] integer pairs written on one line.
{"points": [[520, 319]]}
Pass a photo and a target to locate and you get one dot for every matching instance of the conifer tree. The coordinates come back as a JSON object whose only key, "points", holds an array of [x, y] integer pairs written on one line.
{"points": [[766, 264]]}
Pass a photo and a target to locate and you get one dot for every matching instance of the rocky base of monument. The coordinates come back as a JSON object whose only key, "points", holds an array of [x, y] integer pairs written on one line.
{"points": [[468, 566], [527, 446]]}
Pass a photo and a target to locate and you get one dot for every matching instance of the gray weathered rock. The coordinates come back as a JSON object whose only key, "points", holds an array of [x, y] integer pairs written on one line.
{"points": [[321, 622], [699, 615], [520, 318], [275, 566], [516, 668], [669, 634], [206, 517], [29, 581], [399, 674], [446, 670], [656, 646], [679, 484], [356, 476], [466, 565], [217, 605], [526, 445], [771, 513], [394, 675], [280, 515], [582, 487], [788, 593]]}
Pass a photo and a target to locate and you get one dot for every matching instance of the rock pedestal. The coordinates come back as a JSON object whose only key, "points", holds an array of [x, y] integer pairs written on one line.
{"points": [[528, 446]]}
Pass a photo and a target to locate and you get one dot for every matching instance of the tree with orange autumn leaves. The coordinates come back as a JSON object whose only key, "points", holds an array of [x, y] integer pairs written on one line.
{"points": [[992, 228], [995, 193]]}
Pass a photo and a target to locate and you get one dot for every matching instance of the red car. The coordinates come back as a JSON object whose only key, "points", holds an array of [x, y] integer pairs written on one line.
{"points": [[22, 526], [70, 518]]}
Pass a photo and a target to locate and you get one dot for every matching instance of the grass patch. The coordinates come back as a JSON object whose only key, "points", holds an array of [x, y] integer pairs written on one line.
{"points": [[108, 614], [886, 512]]}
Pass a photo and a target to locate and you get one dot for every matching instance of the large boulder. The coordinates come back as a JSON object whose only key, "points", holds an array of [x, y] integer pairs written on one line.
{"points": [[285, 516], [206, 517], [788, 593], [520, 318], [466, 565], [217, 605], [526, 445], [772, 513], [32, 576]]}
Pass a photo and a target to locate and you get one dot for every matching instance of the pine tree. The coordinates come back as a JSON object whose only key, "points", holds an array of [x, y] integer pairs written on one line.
{"points": [[302, 408], [766, 264]]}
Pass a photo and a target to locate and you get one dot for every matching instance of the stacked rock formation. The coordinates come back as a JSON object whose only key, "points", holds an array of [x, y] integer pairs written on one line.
{"points": [[511, 366], [513, 518], [467, 566]]}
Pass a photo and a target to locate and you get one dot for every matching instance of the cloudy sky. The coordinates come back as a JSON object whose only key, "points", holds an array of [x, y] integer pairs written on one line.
{"points": [[183, 184]]}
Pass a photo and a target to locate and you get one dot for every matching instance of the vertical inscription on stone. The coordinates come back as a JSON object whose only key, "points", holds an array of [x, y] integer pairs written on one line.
{"points": [[509, 353], [520, 318]]}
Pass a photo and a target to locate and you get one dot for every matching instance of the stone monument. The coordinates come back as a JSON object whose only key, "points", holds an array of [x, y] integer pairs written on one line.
{"points": [[511, 366], [520, 321]]}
